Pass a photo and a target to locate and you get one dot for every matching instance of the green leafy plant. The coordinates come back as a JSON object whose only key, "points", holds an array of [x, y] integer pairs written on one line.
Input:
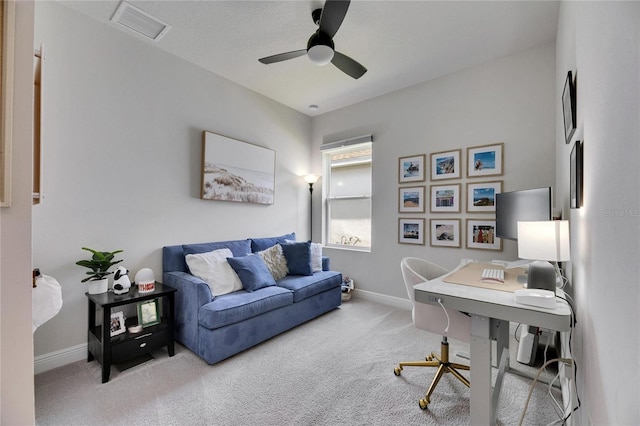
{"points": [[99, 264]]}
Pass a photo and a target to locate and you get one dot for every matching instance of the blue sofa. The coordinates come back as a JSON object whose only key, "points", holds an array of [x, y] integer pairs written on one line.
{"points": [[217, 327]]}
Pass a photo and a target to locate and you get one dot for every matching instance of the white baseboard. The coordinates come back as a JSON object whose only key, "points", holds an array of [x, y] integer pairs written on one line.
{"points": [[59, 358], [394, 302]]}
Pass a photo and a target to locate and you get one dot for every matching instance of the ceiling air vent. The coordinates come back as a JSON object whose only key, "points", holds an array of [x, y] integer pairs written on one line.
{"points": [[139, 21]]}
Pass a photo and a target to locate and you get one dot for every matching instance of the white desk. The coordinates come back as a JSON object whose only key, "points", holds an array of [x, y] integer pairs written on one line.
{"points": [[491, 311]]}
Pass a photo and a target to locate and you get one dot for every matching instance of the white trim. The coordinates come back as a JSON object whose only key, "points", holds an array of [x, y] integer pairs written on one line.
{"points": [[395, 302], [59, 358]]}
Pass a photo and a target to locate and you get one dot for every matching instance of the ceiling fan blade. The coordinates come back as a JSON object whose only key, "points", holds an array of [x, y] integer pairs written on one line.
{"points": [[333, 14], [283, 56], [348, 65]]}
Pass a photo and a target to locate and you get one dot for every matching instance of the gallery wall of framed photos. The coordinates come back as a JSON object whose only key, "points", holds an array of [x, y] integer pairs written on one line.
{"points": [[450, 194]]}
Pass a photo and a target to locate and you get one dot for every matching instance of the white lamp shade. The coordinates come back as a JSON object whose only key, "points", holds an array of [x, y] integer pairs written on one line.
{"points": [[544, 240], [311, 178]]}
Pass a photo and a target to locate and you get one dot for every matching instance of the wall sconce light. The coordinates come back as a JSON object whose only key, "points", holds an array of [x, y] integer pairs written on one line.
{"points": [[311, 179]]}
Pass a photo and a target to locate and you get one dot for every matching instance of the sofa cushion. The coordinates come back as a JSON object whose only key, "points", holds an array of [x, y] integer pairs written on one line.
{"points": [[275, 261], [304, 287], [298, 257], [241, 305], [259, 244], [237, 247], [212, 267], [252, 271]]}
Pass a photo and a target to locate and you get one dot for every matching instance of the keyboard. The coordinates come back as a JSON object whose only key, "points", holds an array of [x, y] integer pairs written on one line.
{"points": [[490, 274]]}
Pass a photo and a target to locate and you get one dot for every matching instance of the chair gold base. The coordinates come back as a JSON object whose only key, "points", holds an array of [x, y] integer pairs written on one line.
{"points": [[443, 365]]}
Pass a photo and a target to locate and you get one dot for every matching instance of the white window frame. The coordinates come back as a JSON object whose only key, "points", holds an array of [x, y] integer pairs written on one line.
{"points": [[327, 151]]}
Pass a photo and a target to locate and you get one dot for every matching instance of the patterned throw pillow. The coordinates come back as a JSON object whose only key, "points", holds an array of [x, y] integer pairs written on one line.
{"points": [[275, 261]]}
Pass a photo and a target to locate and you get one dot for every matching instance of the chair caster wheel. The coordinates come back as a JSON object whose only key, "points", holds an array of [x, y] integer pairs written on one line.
{"points": [[423, 404], [397, 371], [429, 358]]}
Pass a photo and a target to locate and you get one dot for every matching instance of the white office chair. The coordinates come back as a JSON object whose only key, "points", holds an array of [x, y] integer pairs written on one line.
{"points": [[433, 318]]}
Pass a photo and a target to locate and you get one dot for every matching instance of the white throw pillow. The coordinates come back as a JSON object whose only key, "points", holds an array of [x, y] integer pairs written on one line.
{"points": [[316, 256], [276, 262], [212, 267]]}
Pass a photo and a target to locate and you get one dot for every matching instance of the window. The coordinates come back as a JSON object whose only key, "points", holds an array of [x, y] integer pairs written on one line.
{"points": [[347, 211]]}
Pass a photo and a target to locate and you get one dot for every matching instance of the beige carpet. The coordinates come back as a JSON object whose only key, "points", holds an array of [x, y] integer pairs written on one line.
{"points": [[334, 370]]}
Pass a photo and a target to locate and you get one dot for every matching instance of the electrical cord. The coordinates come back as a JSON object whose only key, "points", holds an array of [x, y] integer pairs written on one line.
{"points": [[446, 313], [535, 380]]}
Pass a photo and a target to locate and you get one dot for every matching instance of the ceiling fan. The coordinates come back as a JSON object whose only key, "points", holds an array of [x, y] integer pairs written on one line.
{"points": [[320, 47]]}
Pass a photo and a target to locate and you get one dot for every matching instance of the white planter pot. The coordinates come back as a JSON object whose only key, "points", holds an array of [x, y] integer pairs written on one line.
{"points": [[98, 286]]}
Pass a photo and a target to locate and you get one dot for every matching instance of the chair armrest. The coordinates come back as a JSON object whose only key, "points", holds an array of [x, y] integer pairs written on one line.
{"points": [[191, 289], [326, 263]]}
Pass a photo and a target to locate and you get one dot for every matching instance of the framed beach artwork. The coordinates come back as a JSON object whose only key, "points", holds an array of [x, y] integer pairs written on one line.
{"points": [[411, 199], [411, 231], [238, 171], [411, 169], [445, 232], [481, 196], [445, 165], [481, 234], [485, 160], [569, 107], [445, 198]]}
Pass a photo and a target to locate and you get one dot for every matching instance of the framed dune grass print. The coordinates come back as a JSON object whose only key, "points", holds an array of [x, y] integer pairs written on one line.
{"points": [[485, 160], [238, 171]]}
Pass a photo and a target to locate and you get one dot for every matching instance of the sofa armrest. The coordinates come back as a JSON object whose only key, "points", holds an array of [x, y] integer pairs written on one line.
{"points": [[326, 263], [191, 295]]}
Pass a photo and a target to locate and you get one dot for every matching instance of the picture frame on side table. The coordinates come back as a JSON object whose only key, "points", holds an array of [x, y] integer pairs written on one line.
{"points": [[148, 314], [446, 165], [485, 160], [411, 169], [445, 198], [445, 232], [411, 231], [481, 196], [569, 107], [117, 325], [411, 199], [576, 176], [481, 235]]}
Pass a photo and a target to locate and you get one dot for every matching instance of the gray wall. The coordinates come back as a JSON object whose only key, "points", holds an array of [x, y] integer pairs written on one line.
{"points": [[122, 130], [599, 42], [510, 100]]}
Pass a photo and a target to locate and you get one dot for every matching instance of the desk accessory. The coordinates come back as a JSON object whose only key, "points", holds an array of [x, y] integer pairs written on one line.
{"points": [[536, 297]]}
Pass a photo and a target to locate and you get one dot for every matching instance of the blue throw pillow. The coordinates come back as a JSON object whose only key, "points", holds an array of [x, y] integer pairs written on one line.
{"points": [[260, 244], [298, 257], [253, 272]]}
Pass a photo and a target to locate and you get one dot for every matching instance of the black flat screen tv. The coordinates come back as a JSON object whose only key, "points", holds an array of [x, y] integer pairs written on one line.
{"points": [[526, 205]]}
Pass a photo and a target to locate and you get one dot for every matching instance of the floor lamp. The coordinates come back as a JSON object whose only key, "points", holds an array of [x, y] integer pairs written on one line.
{"points": [[311, 179]]}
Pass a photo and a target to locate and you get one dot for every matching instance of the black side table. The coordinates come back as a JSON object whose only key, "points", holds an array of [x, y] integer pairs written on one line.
{"points": [[126, 346]]}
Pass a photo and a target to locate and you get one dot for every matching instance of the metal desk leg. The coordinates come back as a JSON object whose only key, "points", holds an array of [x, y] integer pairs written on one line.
{"points": [[480, 373]]}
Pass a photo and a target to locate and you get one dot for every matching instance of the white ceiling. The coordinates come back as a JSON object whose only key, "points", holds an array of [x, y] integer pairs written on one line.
{"points": [[401, 43]]}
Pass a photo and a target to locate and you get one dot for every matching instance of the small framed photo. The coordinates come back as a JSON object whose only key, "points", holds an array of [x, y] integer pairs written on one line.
{"points": [[481, 234], [445, 232], [445, 165], [411, 231], [445, 198], [411, 169], [411, 199], [117, 324], [485, 160], [575, 176], [569, 107], [148, 313], [481, 196]]}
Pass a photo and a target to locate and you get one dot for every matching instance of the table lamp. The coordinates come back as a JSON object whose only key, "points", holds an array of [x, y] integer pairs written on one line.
{"points": [[544, 242]]}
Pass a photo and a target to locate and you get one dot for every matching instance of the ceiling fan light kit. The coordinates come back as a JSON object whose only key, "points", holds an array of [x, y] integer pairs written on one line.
{"points": [[320, 47]]}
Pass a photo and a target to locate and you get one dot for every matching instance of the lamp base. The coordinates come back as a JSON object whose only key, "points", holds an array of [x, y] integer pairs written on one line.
{"points": [[542, 275]]}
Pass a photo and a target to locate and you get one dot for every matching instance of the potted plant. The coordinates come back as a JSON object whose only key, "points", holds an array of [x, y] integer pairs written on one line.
{"points": [[99, 265]]}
